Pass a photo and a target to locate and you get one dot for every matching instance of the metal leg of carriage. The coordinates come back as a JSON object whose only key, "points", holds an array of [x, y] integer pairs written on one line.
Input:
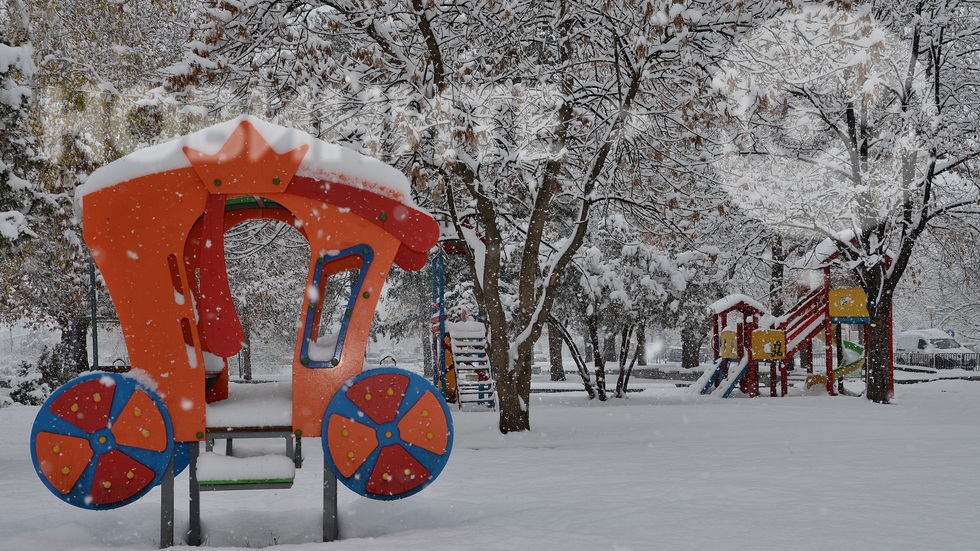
{"points": [[167, 504], [167, 507], [330, 529], [194, 528], [330, 525]]}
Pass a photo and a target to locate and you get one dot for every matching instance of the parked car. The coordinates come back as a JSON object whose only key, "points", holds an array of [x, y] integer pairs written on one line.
{"points": [[676, 354], [933, 348]]}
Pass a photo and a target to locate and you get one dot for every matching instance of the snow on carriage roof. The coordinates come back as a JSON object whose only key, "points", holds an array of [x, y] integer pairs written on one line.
{"points": [[323, 160]]}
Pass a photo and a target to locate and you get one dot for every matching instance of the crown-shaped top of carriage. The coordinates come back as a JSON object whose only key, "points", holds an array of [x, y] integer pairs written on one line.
{"points": [[155, 223]]}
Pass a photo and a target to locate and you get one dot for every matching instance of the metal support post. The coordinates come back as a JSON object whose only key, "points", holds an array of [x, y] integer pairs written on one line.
{"points": [[829, 342], [439, 312], [829, 328], [330, 529], [783, 378], [93, 299], [194, 530], [167, 506], [773, 375]]}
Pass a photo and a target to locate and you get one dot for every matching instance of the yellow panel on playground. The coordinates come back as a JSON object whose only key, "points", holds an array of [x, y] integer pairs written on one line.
{"points": [[849, 305], [729, 345], [768, 344]]}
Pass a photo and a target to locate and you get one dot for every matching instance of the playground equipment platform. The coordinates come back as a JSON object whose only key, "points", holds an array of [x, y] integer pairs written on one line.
{"points": [[741, 341]]}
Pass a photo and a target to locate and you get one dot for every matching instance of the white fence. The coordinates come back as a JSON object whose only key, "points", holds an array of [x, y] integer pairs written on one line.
{"points": [[949, 360]]}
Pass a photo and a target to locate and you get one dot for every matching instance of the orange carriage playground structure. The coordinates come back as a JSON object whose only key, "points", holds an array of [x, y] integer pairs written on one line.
{"points": [[155, 223]]}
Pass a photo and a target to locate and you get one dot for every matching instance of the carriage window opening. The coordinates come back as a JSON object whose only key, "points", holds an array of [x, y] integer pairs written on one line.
{"points": [[338, 279]]}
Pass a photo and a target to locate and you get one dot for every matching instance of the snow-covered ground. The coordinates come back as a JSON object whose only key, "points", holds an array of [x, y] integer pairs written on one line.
{"points": [[660, 470]]}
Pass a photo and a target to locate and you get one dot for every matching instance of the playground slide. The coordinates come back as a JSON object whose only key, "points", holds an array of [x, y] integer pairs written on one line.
{"points": [[705, 384], [706, 381], [728, 385], [853, 361]]}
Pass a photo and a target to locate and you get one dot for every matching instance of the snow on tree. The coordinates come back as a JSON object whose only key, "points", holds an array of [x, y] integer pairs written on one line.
{"points": [[942, 282], [19, 154], [512, 119], [856, 123], [627, 281], [261, 57], [91, 58], [25, 204]]}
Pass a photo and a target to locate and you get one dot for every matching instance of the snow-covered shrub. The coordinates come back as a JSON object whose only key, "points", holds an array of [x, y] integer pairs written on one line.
{"points": [[30, 390], [34, 383], [5, 389]]}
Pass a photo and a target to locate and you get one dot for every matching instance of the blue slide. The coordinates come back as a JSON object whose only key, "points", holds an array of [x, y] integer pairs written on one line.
{"points": [[706, 383]]}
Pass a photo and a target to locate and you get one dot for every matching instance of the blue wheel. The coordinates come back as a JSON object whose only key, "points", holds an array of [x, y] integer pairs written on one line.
{"points": [[387, 434], [102, 441]]}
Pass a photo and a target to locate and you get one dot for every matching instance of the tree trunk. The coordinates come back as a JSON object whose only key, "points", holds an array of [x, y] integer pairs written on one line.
{"points": [[839, 343], [806, 357], [609, 352], [629, 370], [74, 338], [641, 344], [600, 363], [878, 353], [554, 353], [512, 376], [580, 362], [247, 352], [777, 277], [690, 347], [513, 391], [513, 414], [776, 283], [427, 365], [623, 355]]}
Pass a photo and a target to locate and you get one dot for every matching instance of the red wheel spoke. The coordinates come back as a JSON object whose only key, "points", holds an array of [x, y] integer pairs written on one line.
{"points": [[379, 396], [396, 472], [119, 477], [86, 405]]}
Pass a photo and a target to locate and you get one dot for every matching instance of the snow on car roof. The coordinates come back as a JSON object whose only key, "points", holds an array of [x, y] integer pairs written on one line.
{"points": [[926, 333]]}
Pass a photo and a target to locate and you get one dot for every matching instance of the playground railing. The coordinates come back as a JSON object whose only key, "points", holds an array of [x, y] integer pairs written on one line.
{"points": [[799, 322], [813, 299], [944, 360]]}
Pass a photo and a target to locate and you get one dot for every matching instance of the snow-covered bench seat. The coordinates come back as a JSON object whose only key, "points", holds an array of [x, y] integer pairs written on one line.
{"points": [[252, 411]]}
